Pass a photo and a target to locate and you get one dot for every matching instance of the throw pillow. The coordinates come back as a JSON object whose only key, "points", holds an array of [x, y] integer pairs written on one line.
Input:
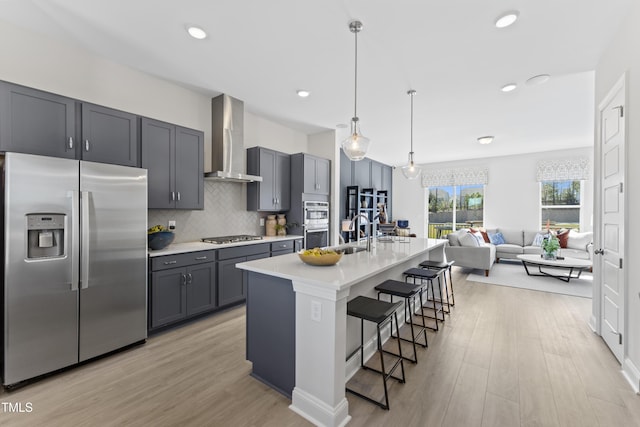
{"points": [[537, 241], [579, 240], [468, 240], [497, 239], [563, 236], [483, 233], [479, 238]]}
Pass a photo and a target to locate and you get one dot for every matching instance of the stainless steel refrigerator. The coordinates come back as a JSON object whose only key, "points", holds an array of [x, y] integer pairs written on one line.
{"points": [[75, 262]]}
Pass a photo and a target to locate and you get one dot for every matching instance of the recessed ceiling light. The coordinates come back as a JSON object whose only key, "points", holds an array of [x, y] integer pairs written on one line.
{"points": [[485, 140], [342, 126], [196, 32], [538, 80], [303, 93], [507, 18], [509, 87]]}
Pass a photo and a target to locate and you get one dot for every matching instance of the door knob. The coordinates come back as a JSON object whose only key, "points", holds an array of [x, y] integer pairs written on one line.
{"points": [[599, 252]]}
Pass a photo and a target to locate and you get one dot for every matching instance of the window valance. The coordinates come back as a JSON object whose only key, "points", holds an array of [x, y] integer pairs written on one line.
{"points": [[454, 176], [563, 169]]}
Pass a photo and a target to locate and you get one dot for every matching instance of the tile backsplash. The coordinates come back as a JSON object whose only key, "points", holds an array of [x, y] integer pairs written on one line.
{"points": [[225, 213]]}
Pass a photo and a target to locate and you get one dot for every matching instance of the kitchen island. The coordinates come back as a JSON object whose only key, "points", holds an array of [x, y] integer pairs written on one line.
{"points": [[298, 334]]}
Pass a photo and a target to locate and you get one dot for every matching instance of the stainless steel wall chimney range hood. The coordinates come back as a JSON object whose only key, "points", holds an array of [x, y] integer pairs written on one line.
{"points": [[227, 141]]}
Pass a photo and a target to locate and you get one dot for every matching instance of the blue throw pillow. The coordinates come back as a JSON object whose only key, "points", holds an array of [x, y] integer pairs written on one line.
{"points": [[496, 239]]}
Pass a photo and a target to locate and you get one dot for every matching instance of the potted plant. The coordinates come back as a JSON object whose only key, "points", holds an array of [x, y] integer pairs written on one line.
{"points": [[550, 246], [281, 229]]}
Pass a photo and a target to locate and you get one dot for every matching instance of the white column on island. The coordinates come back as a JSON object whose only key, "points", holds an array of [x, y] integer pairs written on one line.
{"points": [[321, 325]]}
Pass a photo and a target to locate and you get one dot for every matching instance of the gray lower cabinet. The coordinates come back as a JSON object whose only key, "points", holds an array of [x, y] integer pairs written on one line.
{"points": [[109, 136], [37, 122], [273, 194], [297, 245], [167, 297], [181, 286], [174, 158], [232, 287], [282, 247]]}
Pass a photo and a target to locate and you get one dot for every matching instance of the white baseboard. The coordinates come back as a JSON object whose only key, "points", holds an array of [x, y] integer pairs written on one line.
{"points": [[318, 412], [632, 374], [593, 324]]}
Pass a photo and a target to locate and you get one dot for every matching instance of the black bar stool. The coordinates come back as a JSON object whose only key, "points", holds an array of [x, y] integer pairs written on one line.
{"points": [[428, 276], [408, 292], [380, 313], [437, 265]]}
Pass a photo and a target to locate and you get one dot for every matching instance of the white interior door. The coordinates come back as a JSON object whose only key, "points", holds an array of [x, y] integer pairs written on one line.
{"points": [[611, 247]]}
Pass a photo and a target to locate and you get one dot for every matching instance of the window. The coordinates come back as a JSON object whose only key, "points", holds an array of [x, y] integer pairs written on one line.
{"points": [[560, 203], [455, 206]]}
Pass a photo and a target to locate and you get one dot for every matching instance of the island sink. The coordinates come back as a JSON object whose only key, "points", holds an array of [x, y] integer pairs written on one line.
{"points": [[352, 249]]}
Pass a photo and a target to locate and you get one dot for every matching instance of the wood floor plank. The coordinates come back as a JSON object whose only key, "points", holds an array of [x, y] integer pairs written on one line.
{"points": [[499, 411], [572, 404], [469, 392]]}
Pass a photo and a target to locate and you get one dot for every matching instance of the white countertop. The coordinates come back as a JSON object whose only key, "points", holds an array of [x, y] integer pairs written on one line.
{"points": [[351, 269], [178, 248]]}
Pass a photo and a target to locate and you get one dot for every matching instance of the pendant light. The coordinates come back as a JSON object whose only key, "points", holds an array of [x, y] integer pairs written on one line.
{"points": [[410, 170], [356, 145]]}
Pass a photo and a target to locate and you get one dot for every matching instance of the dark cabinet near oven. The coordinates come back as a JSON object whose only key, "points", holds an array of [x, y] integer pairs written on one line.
{"points": [[273, 194], [310, 174]]}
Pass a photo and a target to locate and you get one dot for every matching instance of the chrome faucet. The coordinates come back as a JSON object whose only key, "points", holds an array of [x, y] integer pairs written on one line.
{"points": [[367, 223]]}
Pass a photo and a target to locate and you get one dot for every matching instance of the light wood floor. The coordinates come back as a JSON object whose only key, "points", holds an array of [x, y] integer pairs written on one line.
{"points": [[505, 357]]}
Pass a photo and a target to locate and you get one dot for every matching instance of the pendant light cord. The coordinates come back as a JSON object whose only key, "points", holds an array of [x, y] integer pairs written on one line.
{"points": [[355, 86], [411, 93]]}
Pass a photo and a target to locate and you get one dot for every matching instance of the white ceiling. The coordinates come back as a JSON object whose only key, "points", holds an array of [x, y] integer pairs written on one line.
{"points": [[448, 51]]}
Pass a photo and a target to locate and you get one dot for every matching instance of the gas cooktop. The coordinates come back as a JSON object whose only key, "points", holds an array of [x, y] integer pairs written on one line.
{"points": [[231, 239]]}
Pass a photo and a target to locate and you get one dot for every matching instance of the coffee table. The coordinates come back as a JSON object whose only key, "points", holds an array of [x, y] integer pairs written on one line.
{"points": [[574, 266]]}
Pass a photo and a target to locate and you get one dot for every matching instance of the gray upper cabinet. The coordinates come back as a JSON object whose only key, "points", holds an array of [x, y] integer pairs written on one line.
{"points": [[273, 193], [109, 136], [36, 122], [362, 173], [174, 158], [376, 175], [189, 168], [314, 173], [43, 123]]}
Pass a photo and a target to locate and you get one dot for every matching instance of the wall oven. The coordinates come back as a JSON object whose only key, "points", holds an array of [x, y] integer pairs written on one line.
{"points": [[316, 224]]}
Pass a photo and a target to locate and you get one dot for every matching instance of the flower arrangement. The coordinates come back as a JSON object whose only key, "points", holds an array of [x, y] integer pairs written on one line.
{"points": [[550, 246]]}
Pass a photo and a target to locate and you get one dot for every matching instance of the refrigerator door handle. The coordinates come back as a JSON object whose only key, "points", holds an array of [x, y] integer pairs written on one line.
{"points": [[84, 240], [73, 238]]}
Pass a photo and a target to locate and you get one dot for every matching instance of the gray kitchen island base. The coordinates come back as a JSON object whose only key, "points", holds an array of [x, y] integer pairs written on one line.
{"points": [[271, 333]]}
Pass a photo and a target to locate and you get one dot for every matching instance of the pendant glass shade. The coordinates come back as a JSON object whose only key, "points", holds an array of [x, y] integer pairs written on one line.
{"points": [[410, 170], [355, 146]]}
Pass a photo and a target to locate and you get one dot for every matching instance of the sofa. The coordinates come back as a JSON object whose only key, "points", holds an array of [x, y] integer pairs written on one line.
{"points": [[470, 249]]}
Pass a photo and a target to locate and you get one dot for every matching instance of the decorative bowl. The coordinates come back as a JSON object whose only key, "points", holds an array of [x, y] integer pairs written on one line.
{"points": [[324, 259], [403, 223], [160, 239]]}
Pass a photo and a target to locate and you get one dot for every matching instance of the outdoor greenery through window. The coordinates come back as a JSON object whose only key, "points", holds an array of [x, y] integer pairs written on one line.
{"points": [[560, 203], [455, 206]]}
